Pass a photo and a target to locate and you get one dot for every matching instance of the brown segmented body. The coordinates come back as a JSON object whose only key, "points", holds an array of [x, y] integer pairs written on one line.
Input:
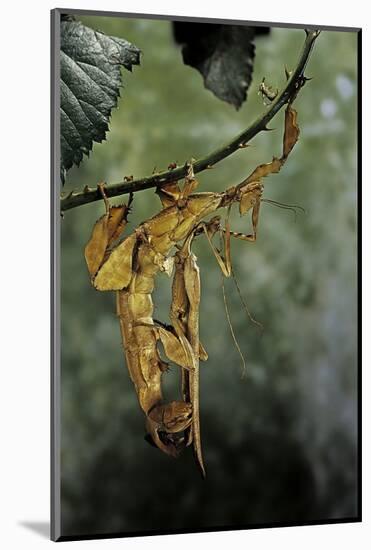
{"points": [[130, 267], [150, 245]]}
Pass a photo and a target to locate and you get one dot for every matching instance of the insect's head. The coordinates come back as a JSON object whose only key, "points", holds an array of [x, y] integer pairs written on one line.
{"points": [[172, 444], [214, 225], [176, 417]]}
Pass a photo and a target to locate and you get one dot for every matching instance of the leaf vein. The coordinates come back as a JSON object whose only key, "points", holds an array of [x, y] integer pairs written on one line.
{"points": [[89, 77], [74, 125]]}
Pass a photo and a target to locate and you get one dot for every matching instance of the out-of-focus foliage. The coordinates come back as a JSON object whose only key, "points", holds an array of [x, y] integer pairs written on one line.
{"points": [[280, 444], [90, 85], [223, 54]]}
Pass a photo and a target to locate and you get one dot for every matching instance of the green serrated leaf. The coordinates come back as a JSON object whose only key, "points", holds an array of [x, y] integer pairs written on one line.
{"points": [[90, 86]]}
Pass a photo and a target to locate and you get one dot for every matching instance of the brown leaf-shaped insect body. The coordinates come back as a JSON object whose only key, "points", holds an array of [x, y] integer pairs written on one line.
{"points": [[292, 131], [251, 189], [251, 196], [186, 296], [149, 245], [130, 267], [97, 246]]}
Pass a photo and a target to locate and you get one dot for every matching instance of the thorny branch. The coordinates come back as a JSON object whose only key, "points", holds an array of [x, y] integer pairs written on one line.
{"points": [[294, 83]]}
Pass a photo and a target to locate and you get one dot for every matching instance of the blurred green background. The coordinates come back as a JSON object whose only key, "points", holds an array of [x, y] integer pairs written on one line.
{"points": [[279, 444]]}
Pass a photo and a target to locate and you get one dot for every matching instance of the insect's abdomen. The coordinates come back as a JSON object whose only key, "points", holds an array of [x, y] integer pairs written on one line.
{"points": [[140, 345], [141, 307]]}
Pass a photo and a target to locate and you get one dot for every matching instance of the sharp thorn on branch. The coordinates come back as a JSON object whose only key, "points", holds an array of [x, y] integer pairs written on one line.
{"points": [[315, 32], [286, 96], [287, 73]]}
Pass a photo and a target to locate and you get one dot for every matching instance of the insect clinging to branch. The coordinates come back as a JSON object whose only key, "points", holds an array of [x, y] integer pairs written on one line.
{"points": [[129, 267], [267, 92]]}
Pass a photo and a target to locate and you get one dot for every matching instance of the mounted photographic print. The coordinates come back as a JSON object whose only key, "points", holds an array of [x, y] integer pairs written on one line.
{"points": [[204, 285]]}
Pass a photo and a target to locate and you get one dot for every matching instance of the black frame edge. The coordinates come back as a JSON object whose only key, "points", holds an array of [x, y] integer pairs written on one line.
{"points": [[160, 532], [359, 268], [169, 17], [55, 508]]}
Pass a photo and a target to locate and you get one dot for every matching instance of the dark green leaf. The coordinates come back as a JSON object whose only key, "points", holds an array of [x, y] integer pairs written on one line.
{"points": [[223, 54], [90, 82]]}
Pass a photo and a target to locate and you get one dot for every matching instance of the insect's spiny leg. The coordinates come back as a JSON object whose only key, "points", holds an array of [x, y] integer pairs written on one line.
{"points": [[239, 235], [242, 236], [102, 189]]}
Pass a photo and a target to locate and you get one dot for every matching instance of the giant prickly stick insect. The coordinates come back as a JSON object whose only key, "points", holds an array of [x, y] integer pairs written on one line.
{"points": [[129, 267]]}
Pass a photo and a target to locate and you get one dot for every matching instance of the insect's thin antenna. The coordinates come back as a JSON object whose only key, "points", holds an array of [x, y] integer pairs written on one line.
{"points": [[284, 205], [232, 331], [292, 207], [244, 302]]}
